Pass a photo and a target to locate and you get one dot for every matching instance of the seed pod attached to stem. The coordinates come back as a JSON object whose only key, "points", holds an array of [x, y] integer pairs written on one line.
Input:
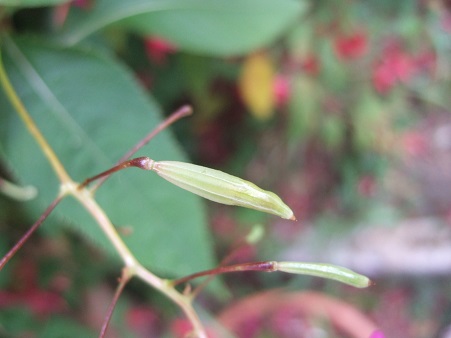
{"points": [[326, 271], [209, 183], [220, 187]]}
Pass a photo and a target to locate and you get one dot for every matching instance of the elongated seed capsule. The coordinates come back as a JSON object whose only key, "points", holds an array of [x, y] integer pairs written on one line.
{"points": [[326, 271], [220, 187]]}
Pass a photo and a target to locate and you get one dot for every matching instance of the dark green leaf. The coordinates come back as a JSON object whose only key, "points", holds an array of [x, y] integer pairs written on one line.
{"points": [[91, 111], [207, 26], [30, 3]]}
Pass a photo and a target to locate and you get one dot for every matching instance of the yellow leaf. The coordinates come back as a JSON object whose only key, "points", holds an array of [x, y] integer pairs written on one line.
{"points": [[256, 85]]}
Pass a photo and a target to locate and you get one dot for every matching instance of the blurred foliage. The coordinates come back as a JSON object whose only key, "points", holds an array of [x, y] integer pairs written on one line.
{"points": [[318, 101]]}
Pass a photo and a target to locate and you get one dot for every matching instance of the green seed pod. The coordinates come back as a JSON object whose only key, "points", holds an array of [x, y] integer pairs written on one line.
{"points": [[326, 271], [220, 187]]}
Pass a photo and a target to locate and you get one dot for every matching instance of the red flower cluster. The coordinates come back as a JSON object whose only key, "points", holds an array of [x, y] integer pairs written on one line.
{"points": [[397, 65]]}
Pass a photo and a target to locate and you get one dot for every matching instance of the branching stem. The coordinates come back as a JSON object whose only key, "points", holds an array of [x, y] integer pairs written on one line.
{"points": [[183, 301], [85, 197]]}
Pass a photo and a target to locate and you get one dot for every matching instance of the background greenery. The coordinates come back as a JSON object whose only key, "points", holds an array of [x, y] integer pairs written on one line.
{"points": [[340, 108]]}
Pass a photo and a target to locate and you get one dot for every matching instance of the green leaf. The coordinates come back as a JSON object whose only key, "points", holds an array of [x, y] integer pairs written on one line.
{"points": [[92, 111], [30, 3], [214, 27]]}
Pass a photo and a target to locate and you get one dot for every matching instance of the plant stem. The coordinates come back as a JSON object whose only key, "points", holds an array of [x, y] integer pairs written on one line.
{"points": [[183, 301], [135, 268], [30, 124], [30, 231], [139, 162], [174, 117], [266, 266], [182, 112], [85, 198], [241, 244], [17, 192], [125, 277]]}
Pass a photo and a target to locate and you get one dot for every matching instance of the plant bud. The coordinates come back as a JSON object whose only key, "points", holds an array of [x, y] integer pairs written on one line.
{"points": [[326, 271], [220, 187]]}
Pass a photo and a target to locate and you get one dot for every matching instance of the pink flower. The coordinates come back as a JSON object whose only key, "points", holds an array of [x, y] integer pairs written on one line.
{"points": [[282, 90], [415, 144], [395, 66]]}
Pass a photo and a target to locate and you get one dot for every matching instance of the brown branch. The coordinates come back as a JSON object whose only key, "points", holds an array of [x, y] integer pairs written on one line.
{"points": [[139, 162], [266, 266], [122, 282], [242, 244], [28, 234]]}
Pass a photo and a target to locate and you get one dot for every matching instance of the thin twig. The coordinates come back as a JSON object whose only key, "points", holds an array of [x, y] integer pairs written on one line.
{"points": [[125, 277], [139, 162], [250, 240], [30, 231], [226, 260], [183, 111], [266, 266]]}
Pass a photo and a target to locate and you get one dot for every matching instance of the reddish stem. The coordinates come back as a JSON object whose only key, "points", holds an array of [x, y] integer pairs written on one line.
{"points": [[241, 244], [174, 117], [30, 231], [139, 162], [122, 282], [266, 266]]}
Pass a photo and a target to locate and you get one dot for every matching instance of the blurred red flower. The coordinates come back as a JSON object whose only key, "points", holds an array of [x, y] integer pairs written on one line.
{"points": [[311, 65], [282, 90], [158, 49], [395, 65], [351, 46], [414, 143], [142, 320]]}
